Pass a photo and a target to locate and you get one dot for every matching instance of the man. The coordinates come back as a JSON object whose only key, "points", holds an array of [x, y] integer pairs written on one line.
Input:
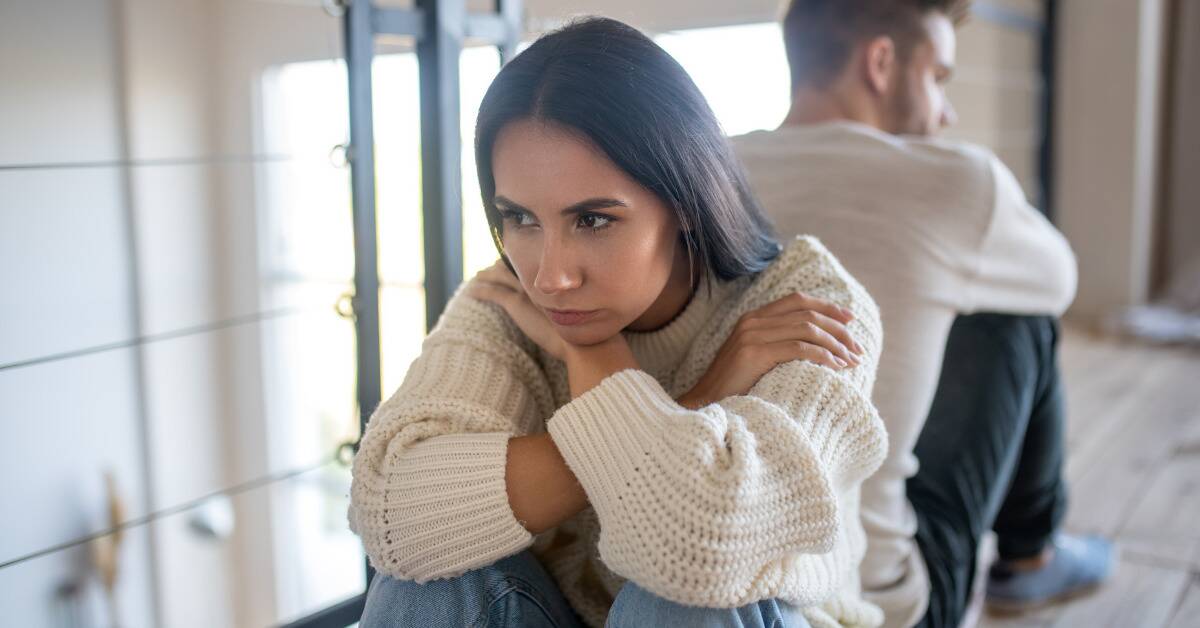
{"points": [[968, 277]]}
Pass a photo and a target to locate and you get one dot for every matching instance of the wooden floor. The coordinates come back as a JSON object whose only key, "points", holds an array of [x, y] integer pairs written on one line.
{"points": [[1134, 470]]}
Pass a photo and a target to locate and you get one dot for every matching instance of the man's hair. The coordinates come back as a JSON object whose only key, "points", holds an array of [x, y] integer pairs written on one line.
{"points": [[819, 35]]}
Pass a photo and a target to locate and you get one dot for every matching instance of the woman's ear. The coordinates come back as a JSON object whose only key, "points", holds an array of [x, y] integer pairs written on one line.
{"points": [[879, 64]]}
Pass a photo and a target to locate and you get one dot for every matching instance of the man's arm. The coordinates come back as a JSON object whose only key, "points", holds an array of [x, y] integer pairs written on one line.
{"points": [[1024, 264]]}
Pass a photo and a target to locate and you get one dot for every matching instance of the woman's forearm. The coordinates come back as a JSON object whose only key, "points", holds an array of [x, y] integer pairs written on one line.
{"points": [[542, 490], [587, 366]]}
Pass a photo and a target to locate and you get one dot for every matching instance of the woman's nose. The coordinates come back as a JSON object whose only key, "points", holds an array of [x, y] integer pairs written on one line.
{"points": [[556, 272]]}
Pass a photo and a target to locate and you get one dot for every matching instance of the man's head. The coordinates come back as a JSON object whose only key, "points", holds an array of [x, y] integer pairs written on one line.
{"points": [[881, 62]]}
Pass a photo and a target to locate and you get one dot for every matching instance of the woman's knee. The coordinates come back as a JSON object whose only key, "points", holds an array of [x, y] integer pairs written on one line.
{"points": [[506, 593], [395, 602], [635, 607]]}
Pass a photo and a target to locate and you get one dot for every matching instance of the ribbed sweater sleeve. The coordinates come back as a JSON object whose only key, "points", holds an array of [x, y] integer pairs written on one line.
{"points": [[428, 495], [711, 507]]}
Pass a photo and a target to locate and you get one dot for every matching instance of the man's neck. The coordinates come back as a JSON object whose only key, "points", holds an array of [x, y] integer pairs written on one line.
{"points": [[817, 106]]}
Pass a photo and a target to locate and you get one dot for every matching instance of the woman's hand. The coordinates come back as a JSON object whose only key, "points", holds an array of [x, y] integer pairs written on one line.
{"points": [[795, 327], [497, 284], [586, 366]]}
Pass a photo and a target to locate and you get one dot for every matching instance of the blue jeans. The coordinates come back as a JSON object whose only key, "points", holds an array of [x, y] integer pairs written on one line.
{"points": [[517, 592]]}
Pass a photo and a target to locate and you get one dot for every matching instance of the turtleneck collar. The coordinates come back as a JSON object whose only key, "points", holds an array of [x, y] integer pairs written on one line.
{"points": [[660, 351]]}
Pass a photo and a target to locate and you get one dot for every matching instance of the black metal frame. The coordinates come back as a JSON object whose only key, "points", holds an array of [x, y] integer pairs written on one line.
{"points": [[439, 28]]}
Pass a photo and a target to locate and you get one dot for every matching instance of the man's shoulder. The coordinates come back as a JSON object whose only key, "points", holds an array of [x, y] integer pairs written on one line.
{"points": [[951, 153], [830, 144], [936, 155]]}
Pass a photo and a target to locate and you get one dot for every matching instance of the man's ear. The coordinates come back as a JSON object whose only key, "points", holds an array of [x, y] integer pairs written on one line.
{"points": [[879, 63]]}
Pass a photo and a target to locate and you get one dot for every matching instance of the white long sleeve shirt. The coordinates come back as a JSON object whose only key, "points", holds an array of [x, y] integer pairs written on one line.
{"points": [[932, 229]]}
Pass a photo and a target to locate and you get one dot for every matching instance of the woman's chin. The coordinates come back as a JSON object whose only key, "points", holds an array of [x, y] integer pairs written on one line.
{"points": [[586, 334]]}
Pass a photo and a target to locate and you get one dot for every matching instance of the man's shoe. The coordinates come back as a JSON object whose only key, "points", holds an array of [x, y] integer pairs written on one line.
{"points": [[1078, 566]]}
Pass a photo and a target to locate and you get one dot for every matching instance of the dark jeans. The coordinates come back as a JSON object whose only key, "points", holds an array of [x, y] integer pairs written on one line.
{"points": [[991, 453]]}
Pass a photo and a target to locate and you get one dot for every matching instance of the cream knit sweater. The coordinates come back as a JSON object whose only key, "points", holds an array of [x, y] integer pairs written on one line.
{"points": [[750, 498]]}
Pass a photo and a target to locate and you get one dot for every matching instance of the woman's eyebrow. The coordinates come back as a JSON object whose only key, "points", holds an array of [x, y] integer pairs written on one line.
{"points": [[581, 207], [593, 204], [500, 201]]}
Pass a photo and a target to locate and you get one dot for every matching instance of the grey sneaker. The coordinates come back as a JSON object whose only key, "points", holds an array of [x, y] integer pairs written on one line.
{"points": [[1079, 565]]}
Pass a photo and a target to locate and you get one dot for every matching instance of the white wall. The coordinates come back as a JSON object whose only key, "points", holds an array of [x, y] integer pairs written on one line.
{"points": [[169, 112], [65, 283], [1181, 224], [130, 162], [1107, 119]]}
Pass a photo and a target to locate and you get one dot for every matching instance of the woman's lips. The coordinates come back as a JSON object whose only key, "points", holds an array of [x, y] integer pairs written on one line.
{"points": [[570, 317]]}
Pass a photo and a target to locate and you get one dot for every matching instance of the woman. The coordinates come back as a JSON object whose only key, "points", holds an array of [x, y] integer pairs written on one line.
{"points": [[639, 383]]}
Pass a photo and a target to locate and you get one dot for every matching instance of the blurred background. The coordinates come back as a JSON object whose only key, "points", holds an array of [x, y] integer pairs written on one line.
{"points": [[181, 375]]}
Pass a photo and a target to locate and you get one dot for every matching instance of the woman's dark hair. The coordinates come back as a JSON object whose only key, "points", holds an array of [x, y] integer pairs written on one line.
{"points": [[622, 92]]}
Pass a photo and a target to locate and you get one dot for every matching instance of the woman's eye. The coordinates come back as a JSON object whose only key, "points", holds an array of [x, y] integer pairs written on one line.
{"points": [[517, 218], [594, 221]]}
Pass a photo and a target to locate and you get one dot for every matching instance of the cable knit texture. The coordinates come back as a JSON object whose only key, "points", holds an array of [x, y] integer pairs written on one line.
{"points": [[753, 497]]}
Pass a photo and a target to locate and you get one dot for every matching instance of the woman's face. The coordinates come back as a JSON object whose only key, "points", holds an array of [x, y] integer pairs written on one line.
{"points": [[592, 248]]}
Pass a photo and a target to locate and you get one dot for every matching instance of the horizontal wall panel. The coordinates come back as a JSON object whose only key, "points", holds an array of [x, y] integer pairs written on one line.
{"points": [[237, 404], [995, 106], [66, 423], [63, 261], [59, 100], [62, 589], [998, 46], [179, 261], [168, 67], [64, 254], [213, 240]]}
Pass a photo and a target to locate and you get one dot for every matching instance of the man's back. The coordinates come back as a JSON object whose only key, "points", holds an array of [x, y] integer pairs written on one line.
{"points": [[932, 229]]}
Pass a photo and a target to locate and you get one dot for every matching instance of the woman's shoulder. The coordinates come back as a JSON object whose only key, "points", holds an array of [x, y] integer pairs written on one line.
{"points": [[467, 320], [801, 250], [805, 265]]}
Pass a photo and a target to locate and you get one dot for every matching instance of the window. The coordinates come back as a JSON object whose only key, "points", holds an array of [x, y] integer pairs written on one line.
{"points": [[741, 70], [307, 262]]}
